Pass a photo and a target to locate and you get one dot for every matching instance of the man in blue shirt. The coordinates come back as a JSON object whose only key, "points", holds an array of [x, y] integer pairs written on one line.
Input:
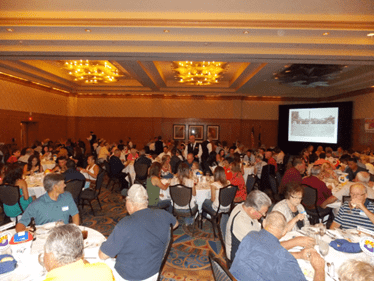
{"points": [[139, 240], [261, 257], [53, 206]]}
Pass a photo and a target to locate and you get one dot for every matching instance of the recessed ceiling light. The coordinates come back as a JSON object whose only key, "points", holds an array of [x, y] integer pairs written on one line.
{"points": [[246, 32], [325, 33], [166, 30], [87, 30], [11, 30], [370, 34]]}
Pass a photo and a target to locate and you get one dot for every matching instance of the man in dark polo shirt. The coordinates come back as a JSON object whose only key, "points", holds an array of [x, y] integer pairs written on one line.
{"points": [[353, 169], [138, 240]]}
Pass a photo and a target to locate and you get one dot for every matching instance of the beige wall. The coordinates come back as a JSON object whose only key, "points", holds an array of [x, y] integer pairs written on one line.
{"points": [[59, 116], [27, 99], [177, 108]]}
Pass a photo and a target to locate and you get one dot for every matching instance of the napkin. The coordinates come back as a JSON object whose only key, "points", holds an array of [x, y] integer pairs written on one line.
{"points": [[168, 176], [343, 245]]}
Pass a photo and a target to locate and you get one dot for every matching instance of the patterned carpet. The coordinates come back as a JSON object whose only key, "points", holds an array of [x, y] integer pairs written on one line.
{"points": [[188, 259]]}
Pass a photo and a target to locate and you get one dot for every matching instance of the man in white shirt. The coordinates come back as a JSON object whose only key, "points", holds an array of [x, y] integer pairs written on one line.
{"points": [[194, 148], [165, 152], [25, 158]]}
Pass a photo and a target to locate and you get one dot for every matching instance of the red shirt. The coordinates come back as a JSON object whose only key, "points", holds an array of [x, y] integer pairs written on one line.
{"points": [[271, 161], [323, 191], [238, 180], [12, 159], [228, 173], [291, 175]]}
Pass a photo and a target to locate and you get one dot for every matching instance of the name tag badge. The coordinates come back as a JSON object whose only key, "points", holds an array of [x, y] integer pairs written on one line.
{"points": [[65, 208], [362, 213]]}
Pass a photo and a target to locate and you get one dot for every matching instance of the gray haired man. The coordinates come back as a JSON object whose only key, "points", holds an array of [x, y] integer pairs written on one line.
{"points": [[244, 219], [63, 257], [139, 240]]}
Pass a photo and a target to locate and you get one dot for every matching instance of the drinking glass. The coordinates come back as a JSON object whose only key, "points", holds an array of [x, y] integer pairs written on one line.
{"points": [[323, 248], [322, 230]]}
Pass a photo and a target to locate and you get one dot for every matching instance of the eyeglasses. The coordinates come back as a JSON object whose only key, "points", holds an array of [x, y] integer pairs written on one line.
{"points": [[262, 214], [357, 195], [298, 198]]}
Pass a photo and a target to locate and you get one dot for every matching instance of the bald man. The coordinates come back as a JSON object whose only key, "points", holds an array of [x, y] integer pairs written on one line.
{"points": [[358, 212], [261, 257]]}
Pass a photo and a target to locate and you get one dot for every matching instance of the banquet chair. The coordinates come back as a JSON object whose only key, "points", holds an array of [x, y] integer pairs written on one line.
{"points": [[11, 195], [112, 179], [223, 244], [75, 188], [89, 195], [220, 272], [181, 195], [226, 200], [166, 252], [251, 180], [309, 202], [141, 173]]}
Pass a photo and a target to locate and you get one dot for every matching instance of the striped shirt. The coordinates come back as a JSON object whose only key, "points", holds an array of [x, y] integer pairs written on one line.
{"points": [[351, 218]]}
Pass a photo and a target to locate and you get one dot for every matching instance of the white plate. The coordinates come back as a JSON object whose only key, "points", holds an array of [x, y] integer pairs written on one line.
{"points": [[306, 269]]}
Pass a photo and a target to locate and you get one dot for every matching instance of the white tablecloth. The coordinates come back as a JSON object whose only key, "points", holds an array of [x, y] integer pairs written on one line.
{"points": [[130, 169], [35, 185], [29, 268], [248, 171], [203, 192], [48, 164], [338, 258]]}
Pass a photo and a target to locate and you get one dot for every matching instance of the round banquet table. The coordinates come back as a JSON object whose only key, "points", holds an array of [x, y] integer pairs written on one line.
{"points": [[35, 185], [248, 170], [338, 258], [48, 164], [28, 267], [203, 192], [130, 170]]}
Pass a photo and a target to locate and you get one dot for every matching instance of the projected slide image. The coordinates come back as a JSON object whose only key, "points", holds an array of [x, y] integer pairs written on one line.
{"points": [[313, 125]]}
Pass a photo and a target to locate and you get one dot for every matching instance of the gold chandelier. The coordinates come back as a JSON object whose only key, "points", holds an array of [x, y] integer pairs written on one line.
{"points": [[92, 72], [198, 72]]}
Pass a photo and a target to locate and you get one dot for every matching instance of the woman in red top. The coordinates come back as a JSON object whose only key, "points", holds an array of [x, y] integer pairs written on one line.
{"points": [[238, 180]]}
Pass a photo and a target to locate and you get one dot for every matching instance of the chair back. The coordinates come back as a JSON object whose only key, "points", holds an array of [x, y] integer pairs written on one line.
{"points": [[75, 188], [273, 184], [166, 251], [310, 197], [220, 272], [223, 244], [141, 171], [10, 195], [180, 194], [226, 196], [99, 183], [251, 180]]}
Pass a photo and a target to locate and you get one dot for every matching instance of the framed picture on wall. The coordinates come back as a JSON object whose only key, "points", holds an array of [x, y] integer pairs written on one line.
{"points": [[213, 131], [179, 132], [197, 131]]}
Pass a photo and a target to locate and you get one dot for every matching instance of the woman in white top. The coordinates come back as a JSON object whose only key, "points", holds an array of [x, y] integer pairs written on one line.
{"points": [[92, 170], [211, 205], [291, 207]]}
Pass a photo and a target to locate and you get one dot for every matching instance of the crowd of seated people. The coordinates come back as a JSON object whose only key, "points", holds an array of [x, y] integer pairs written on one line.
{"points": [[181, 162]]}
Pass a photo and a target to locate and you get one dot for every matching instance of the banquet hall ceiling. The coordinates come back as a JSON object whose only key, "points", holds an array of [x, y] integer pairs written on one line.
{"points": [[257, 41]]}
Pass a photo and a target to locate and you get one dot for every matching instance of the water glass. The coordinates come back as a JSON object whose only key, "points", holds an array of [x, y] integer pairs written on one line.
{"points": [[323, 248]]}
